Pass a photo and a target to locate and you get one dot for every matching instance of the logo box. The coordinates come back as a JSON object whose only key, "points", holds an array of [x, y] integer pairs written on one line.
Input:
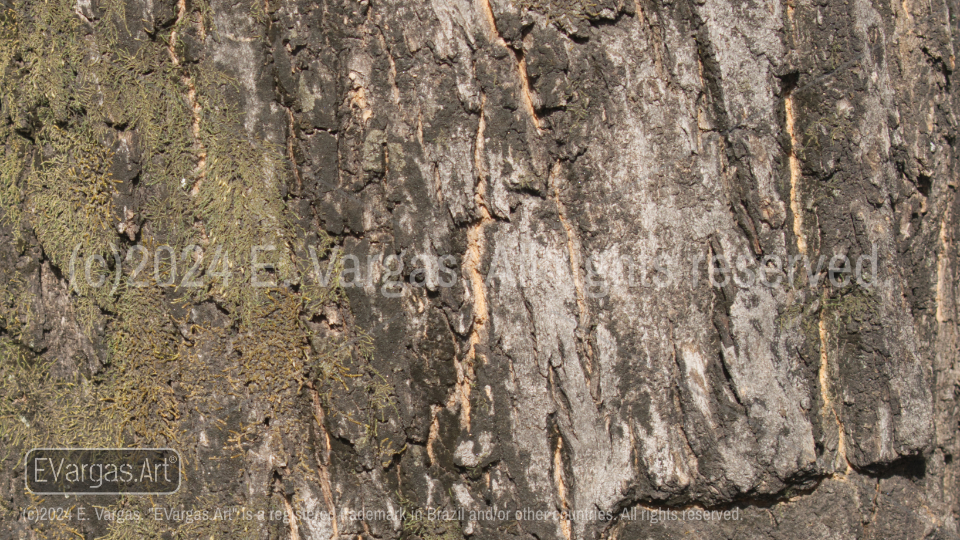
{"points": [[103, 471]]}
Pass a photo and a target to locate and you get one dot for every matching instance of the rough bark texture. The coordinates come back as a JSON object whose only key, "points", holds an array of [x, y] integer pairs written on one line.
{"points": [[541, 143]]}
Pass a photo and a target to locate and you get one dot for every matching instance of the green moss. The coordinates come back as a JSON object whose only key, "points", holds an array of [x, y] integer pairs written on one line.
{"points": [[69, 195], [12, 163], [214, 183], [68, 86], [803, 316], [274, 348], [379, 402], [38, 410], [145, 350], [851, 306], [343, 367], [17, 315]]}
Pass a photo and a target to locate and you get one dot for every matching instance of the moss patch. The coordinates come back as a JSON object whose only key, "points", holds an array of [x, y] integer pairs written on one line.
{"points": [[69, 88]]}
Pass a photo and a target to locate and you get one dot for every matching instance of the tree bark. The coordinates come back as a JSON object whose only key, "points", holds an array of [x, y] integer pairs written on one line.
{"points": [[567, 242]]}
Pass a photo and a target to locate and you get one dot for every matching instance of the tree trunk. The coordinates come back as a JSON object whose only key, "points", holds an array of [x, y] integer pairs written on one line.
{"points": [[562, 269]]}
